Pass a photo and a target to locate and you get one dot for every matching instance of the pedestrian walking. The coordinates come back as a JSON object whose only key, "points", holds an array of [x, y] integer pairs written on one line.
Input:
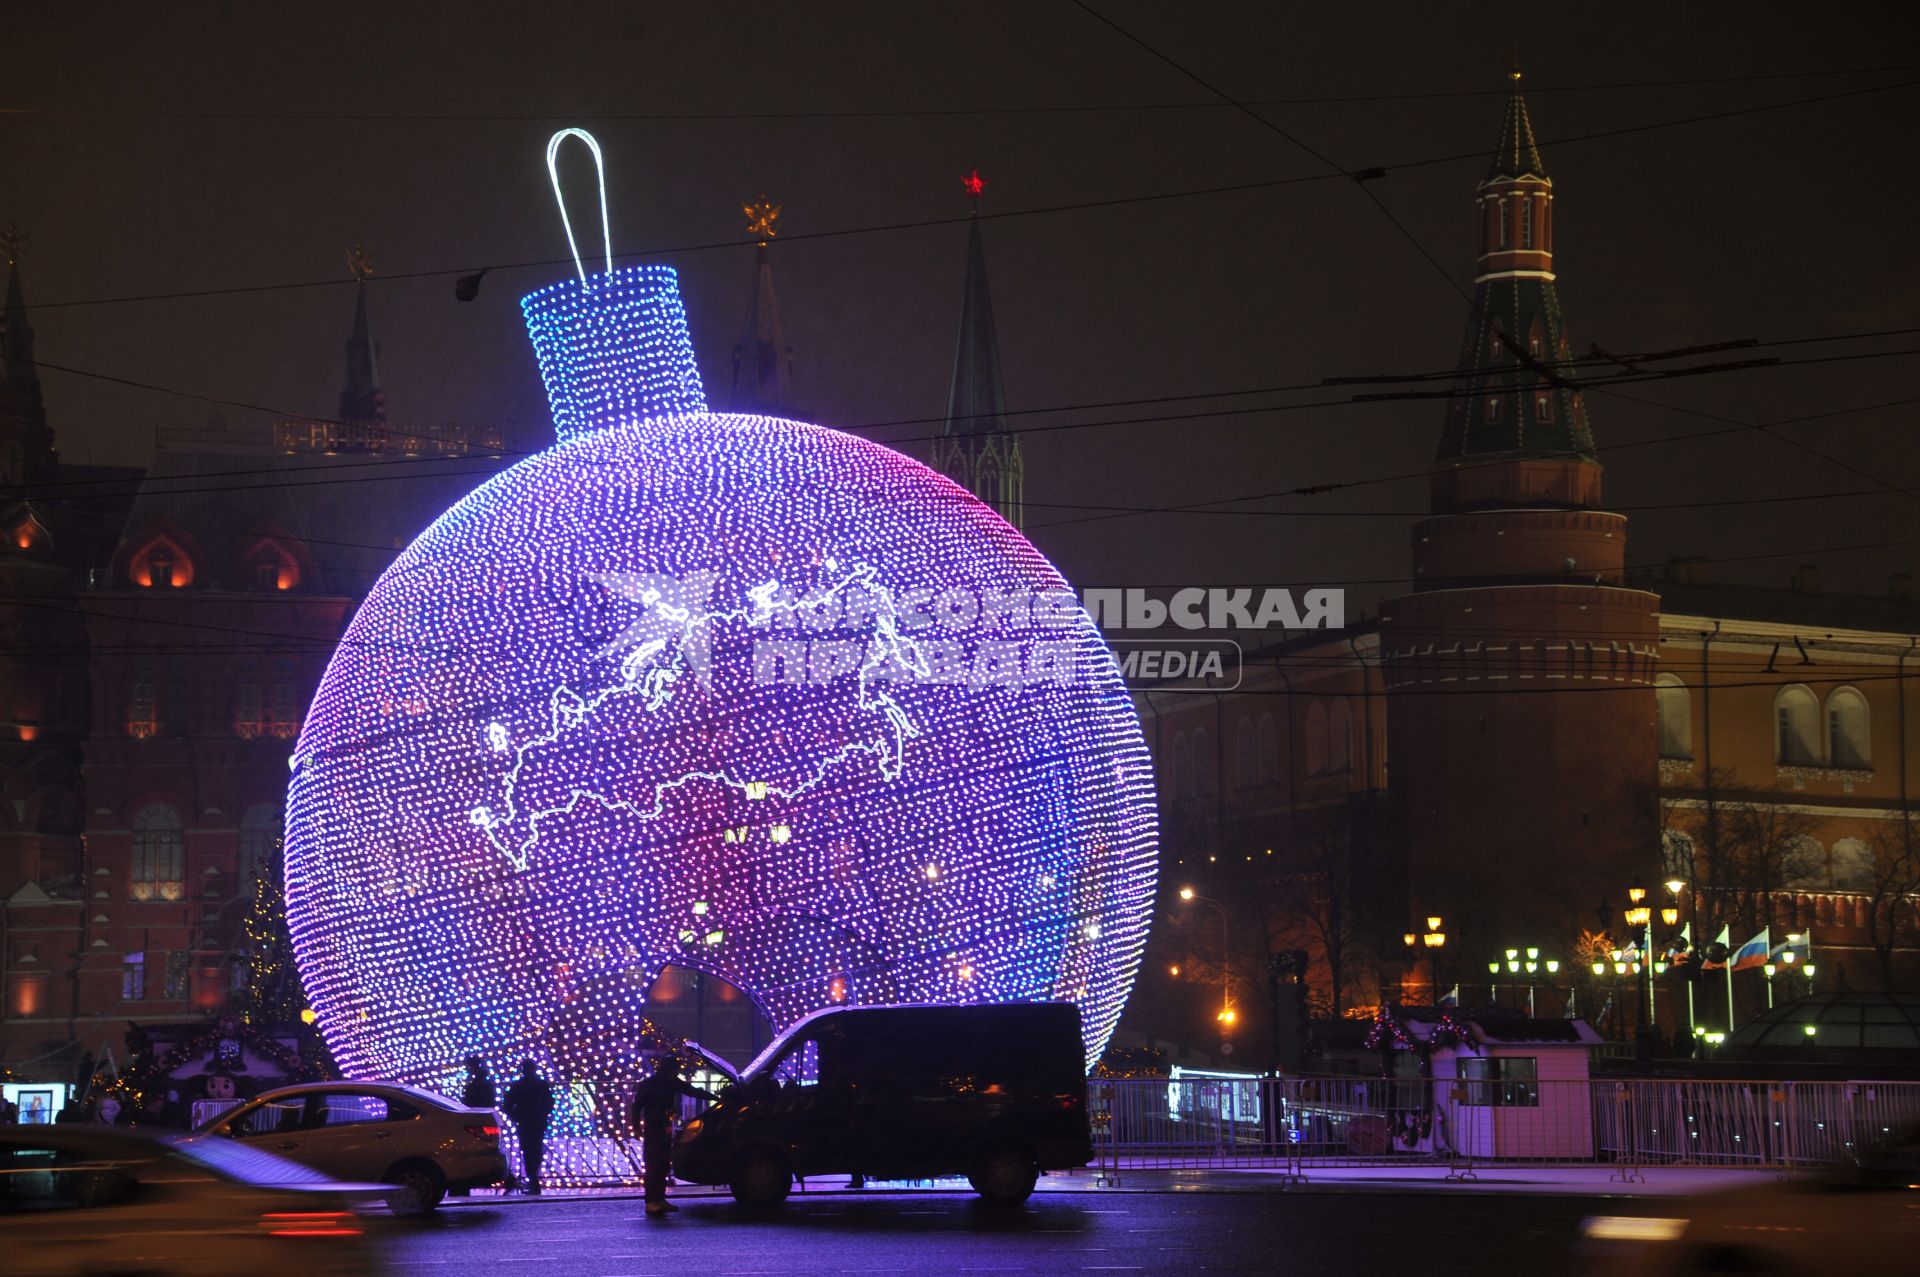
{"points": [[654, 1105], [530, 1105]]}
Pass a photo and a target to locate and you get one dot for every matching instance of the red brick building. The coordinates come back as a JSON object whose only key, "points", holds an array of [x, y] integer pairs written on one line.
{"points": [[155, 678]]}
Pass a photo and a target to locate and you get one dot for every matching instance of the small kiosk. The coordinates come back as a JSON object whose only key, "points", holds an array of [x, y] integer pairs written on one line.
{"points": [[1498, 1086]]}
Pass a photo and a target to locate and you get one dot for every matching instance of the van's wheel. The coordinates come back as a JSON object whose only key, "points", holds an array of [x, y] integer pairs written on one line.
{"points": [[761, 1178], [1005, 1176], [420, 1188]]}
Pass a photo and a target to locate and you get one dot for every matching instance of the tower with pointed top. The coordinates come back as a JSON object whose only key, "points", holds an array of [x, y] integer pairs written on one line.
{"points": [[975, 448], [362, 401], [762, 360], [1520, 670], [26, 441]]}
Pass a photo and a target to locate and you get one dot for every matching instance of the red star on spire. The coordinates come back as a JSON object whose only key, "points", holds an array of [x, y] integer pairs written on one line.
{"points": [[975, 184]]}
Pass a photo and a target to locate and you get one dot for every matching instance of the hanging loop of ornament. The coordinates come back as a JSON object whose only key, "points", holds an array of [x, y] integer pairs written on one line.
{"points": [[600, 177]]}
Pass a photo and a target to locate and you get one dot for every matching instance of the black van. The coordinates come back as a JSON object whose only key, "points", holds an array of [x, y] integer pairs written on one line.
{"points": [[995, 1093]]}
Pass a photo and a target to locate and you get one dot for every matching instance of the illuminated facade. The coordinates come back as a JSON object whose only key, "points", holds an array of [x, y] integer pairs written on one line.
{"points": [[704, 690]]}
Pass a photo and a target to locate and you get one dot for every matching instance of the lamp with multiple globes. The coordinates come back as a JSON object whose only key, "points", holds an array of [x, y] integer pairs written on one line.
{"points": [[1522, 961], [1433, 939]]}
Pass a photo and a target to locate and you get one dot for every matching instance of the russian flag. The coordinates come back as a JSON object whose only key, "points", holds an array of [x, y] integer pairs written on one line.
{"points": [[1796, 945], [1754, 953]]}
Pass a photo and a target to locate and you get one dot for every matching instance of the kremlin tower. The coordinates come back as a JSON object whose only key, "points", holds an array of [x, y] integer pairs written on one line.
{"points": [[762, 360], [975, 448], [1521, 669]]}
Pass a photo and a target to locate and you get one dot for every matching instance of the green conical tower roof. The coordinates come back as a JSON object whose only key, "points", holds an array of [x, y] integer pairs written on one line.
{"points": [[1517, 155], [1515, 395], [976, 405]]}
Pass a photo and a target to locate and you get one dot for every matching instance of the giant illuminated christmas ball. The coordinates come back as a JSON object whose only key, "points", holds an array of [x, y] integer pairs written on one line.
{"points": [[739, 694]]}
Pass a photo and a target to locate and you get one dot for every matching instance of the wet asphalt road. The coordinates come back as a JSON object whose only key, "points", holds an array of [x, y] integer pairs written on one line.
{"points": [[1057, 1234]]}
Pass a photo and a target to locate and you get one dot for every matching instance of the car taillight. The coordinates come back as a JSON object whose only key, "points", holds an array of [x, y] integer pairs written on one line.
{"points": [[322, 1223], [487, 1132]]}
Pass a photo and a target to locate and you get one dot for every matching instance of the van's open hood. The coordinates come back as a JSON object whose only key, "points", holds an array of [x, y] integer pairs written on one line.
{"points": [[715, 1061]]}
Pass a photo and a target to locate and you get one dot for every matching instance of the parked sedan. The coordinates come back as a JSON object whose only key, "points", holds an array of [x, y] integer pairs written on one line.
{"points": [[86, 1199], [379, 1131]]}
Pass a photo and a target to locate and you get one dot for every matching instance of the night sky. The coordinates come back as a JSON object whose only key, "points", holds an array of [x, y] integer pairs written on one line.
{"points": [[1787, 224]]}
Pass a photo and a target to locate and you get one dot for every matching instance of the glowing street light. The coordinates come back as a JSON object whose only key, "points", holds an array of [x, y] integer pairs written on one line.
{"points": [[1227, 1014]]}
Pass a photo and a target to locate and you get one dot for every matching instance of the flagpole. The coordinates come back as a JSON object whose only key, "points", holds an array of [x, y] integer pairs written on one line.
{"points": [[1730, 1020], [1725, 941], [1653, 1004], [1686, 933]]}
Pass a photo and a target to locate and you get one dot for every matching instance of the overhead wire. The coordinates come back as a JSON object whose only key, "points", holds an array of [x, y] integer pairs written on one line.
{"points": [[734, 243], [667, 117], [481, 453]]}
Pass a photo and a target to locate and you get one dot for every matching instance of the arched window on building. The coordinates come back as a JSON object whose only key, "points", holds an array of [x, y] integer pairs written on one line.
{"points": [[1500, 215], [1675, 709], [160, 564], [1182, 766], [259, 843], [1543, 405], [1205, 765], [1269, 742], [988, 479], [1246, 758], [1796, 717], [283, 705], [1803, 864], [1849, 733], [158, 871], [28, 533], [271, 566], [249, 707], [1676, 854], [1526, 222], [1340, 737], [143, 712], [1853, 866], [1316, 738]]}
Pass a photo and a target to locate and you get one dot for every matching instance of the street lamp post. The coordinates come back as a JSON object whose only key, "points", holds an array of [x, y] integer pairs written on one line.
{"points": [[1227, 1015], [1671, 916], [1639, 915], [1433, 939], [1625, 962]]}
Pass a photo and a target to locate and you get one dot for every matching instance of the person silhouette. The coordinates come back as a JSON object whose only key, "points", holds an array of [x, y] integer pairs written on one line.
{"points": [[530, 1106], [653, 1110], [478, 1092]]}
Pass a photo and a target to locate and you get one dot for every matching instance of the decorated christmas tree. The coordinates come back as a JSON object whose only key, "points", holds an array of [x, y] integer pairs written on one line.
{"points": [[269, 993]]}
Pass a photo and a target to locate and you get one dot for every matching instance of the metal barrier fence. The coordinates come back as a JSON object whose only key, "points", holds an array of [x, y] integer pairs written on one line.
{"points": [[1296, 1123]]}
